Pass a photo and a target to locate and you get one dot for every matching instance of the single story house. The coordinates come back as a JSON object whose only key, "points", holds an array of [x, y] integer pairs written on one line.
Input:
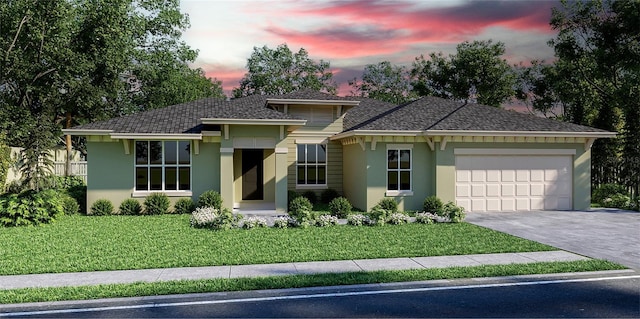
{"points": [[254, 149]]}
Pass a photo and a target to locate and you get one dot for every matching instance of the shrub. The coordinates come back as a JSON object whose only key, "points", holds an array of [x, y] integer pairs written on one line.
{"points": [[30, 208], [156, 204], [357, 220], [70, 205], [283, 222], [326, 220], [379, 215], [203, 217], [184, 206], [426, 218], [328, 195], [311, 196], [210, 199], [130, 206], [398, 218], [291, 195], [432, 204], [454, 213], [101, 207], [254, 222], [607, 191], [340, 207], [617, 201], [388, 204], [300, 210], [226, 220]]}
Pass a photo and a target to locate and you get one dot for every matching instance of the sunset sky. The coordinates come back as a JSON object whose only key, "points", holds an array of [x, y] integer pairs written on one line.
{"points": [[353, 33]]}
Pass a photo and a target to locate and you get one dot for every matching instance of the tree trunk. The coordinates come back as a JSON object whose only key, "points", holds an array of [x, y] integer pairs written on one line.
{"points": [[67, 169]]}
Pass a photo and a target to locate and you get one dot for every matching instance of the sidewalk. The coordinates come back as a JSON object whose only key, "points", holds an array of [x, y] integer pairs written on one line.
{"points": [[283, 269]]}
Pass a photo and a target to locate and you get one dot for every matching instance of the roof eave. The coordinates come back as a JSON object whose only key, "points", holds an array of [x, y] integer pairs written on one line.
{"points": [[520, 133], [82, 132], [220, 121], [314, 102], [376, 133]]}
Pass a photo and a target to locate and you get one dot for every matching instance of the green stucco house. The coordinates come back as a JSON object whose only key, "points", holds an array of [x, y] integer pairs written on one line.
{"points": [[254, 149]]}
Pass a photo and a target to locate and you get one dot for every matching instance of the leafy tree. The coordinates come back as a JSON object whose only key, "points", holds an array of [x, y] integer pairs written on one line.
{"points": [[5, 161], [384, 82], [477, 72], [598, 43], [280, 71]]}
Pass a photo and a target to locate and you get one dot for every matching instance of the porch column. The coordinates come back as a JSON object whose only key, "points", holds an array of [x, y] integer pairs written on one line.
{"points": [[281, 179], [226, 177]]}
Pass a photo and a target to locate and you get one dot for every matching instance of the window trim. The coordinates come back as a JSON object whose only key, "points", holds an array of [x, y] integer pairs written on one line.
{"points": [[325, 164], [163, 166], [399, 148]]}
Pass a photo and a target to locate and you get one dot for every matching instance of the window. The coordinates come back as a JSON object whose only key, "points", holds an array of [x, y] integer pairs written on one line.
{"points": [[399, 170], [312, 164], [163, 166]]}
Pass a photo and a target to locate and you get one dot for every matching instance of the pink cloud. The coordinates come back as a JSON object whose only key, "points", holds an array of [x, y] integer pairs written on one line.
{"points": [[230, 77]]}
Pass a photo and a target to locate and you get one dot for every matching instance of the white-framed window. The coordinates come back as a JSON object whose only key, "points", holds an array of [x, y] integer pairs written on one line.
{"points": [[398, 170], [163, 166], [311, 165]]}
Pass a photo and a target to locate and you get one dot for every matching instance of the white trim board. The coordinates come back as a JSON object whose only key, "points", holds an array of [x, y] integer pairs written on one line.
{"points": [[512, 151]]}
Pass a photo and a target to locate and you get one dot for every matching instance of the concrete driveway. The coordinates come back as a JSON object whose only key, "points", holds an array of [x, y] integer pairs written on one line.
{"points": [[609, 234]]}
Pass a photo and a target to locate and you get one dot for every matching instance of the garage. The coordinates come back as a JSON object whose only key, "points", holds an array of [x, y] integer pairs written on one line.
{"points": [[514, 180]]}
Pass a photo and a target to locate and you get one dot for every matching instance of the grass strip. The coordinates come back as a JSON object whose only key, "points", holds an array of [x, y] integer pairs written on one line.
{"points": [[294, 281], [93, 243]]}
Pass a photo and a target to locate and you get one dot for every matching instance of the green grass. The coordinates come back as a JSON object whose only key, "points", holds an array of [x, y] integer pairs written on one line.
{"points": [[83, 243], [296, 281]]}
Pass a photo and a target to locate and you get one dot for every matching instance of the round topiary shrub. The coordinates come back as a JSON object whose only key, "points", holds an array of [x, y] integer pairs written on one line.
{"points": [[328, 195], [455, 213], [130, 206], [388, 204], [184, 206], [340, 207], [379, 215], [156, 204], [300, 210], [432, 204], [210, 199], [311, 196], [101, 207], [70, 205]]}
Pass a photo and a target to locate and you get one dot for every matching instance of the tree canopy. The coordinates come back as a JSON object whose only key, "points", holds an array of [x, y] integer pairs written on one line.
{"points": [[384, 82], [477, 72], [280, 71]]}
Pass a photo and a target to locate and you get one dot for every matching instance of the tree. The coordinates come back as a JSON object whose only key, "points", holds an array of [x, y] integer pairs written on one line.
{"points": [[477, 72], [384, 82], [280, 71], [599, 44]]}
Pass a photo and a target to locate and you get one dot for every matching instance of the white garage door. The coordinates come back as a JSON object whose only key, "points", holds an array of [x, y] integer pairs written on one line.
{"points": [[514, 183]]}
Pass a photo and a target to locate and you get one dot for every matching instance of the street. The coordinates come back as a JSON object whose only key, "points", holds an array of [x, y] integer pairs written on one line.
{"points": [[580, 296]]}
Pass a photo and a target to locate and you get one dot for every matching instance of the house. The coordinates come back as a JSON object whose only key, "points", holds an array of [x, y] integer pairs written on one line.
{"points": [[254, 149]]}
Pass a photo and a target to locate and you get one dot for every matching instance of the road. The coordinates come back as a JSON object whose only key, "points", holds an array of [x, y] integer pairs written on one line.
{"points": [[608, 295]]}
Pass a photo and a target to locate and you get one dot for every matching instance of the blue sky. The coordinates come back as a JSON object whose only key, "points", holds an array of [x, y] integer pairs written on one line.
{"points": [[353, 33]]}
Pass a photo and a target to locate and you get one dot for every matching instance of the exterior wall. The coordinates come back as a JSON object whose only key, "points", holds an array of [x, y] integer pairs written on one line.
{"points": [[205, 169], [355, 175], [445, 168]]}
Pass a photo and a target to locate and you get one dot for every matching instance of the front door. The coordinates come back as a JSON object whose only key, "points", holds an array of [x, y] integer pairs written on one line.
{"points": [[252, 174]]}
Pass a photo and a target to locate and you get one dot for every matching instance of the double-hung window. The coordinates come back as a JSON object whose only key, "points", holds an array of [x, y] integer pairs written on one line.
{"points": [[163, 166], [312, 164], [398, 170]]}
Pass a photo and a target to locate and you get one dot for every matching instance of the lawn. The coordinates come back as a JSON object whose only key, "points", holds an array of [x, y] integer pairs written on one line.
{"points": [[82, 243]]}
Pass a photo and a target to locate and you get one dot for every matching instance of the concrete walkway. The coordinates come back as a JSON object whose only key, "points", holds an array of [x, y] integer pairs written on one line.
{"points": [[296, 268]]}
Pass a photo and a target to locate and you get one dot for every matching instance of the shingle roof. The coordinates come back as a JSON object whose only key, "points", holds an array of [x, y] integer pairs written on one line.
{"points": [[433, 113], [428, 113]]}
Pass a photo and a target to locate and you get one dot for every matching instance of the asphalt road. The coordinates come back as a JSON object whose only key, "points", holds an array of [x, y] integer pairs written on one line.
{"points": [[615, 295]]}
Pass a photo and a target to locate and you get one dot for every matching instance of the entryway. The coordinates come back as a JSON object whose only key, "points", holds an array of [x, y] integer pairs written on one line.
{"points": [[252, 175]]}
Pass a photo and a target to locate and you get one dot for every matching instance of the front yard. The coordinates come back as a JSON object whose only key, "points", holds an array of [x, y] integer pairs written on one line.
{"points": [[84, 243]]}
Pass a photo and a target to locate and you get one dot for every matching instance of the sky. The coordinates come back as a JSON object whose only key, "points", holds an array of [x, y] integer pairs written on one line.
{"points": [[353, 33]]}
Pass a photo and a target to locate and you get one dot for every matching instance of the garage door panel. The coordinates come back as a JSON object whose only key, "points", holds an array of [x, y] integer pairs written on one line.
{"points": [[518, 182]]}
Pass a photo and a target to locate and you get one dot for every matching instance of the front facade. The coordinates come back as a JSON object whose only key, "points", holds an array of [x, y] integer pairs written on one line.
{"points": [[254, 150]]}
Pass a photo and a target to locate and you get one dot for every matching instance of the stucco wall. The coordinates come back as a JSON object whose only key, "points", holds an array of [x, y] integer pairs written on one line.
{"points": [[355, 175]]}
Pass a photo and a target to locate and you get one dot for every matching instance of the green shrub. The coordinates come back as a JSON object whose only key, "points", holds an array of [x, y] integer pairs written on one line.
{"points": [[70, 205], [300, 210], [291, 195], [605, 191], [184, 206], [328, 195], [340, 207], [388, 204], [617, 201], [311, 196], [226, 220], [432, 204], [130, 206], [101, 207], [30, 208], [455, 213], [210, 199], [156, 204], [379, 215]]}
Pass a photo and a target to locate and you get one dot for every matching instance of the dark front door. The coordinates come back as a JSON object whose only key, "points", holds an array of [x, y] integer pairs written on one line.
{"points": [[252, 174]]}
